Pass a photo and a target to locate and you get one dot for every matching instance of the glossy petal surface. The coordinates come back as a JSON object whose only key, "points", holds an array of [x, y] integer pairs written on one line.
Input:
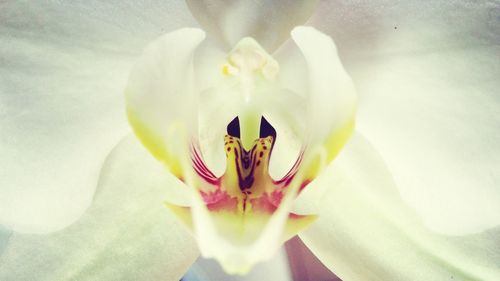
{"points": [[330, 103], [63, 68], [427, 77], [162, 100], [126, 234], [365, 231]]}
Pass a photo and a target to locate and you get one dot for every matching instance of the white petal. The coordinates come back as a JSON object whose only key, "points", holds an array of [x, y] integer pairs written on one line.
{"points": [[427, 76], [162, 99], [127, 234], [366, 232], [437, 128], [331, 96], [269, 22], [331, 101], [62, 73]]}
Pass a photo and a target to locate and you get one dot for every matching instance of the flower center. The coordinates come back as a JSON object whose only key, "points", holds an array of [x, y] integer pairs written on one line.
{"points": [[251, 71], [247, 170], [246, 184], [249, 58]]}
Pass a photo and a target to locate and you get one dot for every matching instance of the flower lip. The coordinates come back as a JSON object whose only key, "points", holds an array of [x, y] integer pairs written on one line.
{"points": [[247, 169]]}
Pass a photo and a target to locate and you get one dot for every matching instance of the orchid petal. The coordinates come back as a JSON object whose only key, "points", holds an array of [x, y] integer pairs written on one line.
{"points": [[365, 231], [331, 101], [161, 98], [428, 86], [62, 71], [450, 151], [126, 234], [269, 22]]}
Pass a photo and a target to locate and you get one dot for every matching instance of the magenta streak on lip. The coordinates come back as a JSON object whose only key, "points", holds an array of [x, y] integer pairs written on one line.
{"points": [[287, 179], [201, 169]]}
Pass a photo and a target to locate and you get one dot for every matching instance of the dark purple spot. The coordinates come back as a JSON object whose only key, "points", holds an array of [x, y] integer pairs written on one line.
{"points": [[258, 163], [228, 149], [264, 147], [261, 154]]}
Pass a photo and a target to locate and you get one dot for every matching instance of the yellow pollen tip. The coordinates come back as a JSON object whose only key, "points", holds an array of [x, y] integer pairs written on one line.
{"points": [[225, 70], [228, 69]]}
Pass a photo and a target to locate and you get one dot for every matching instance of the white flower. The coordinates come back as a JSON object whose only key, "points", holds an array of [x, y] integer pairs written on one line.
{"points": [[62, 75]]}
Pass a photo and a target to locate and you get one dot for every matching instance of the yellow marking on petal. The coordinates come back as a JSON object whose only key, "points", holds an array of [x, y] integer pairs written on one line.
{"points": [[295, 225], [314, 167], [243, 229], [333, 144], [155, 144], [182, 213], [338, 139]]}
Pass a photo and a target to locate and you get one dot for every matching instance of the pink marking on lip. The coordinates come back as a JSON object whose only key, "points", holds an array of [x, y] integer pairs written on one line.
{"points": [[219, 200], [269, 203]]}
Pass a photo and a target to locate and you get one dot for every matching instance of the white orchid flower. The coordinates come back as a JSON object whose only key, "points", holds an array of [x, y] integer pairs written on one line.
{"points": [[64, 68]]}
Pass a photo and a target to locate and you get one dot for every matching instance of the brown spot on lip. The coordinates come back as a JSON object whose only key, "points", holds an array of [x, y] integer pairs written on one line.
{"points": [[228, 149], [261, 154]]}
